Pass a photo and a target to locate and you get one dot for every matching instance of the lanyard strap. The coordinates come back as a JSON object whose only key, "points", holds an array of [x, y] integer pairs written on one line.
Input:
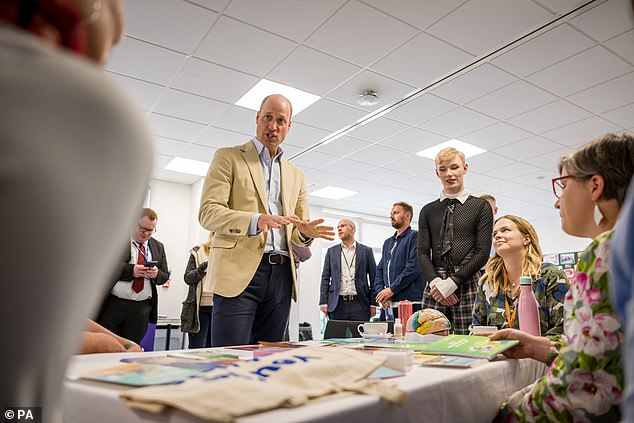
{"points": [[144, 254], [348, 265], [510, 319]]}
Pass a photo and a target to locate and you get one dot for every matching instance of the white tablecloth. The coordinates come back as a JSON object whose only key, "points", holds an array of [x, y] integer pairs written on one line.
{"points": [[435, 395]]}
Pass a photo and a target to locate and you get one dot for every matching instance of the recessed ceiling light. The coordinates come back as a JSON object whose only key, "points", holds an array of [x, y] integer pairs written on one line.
{"points": [[333, 193], [298, 98], [191, 167], [469, 150]]}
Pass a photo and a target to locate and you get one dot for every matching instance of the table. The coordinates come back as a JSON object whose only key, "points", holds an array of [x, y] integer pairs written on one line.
{"points": [[435, 395]]}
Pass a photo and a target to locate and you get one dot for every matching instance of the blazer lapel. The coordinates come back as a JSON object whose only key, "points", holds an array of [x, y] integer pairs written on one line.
{"points": [[285, 186], [252, 159]]}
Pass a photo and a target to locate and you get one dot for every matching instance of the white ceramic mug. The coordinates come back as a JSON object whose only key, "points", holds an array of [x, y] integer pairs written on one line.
{"points": [[372, 328]]}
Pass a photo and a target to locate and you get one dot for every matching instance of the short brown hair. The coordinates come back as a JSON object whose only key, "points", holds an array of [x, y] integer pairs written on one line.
{"points": [[488, 197], [149, 213], [611, 157], [448, 154], [407, 207]]}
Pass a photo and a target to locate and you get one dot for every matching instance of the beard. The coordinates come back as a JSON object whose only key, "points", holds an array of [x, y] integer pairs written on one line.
{"points": [[397, 225]]}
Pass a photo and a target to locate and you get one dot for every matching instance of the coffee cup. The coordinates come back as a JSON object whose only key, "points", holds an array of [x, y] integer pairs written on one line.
{"points": [[372, 328]]}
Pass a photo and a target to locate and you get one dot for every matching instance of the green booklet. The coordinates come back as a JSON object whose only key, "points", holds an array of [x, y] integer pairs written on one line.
{"points": [[140, 374], [459, 345]]}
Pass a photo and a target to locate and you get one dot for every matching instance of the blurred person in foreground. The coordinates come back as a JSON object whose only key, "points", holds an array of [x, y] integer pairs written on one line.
{"points": [[517, 253], [585, 376], [75, 160]]}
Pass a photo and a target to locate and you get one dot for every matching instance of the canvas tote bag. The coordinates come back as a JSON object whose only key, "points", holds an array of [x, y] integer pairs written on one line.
{"points": [[286, 379]]}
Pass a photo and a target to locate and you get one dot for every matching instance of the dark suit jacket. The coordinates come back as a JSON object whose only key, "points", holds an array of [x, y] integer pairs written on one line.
{"points": [[157, 251], [364, 272]]}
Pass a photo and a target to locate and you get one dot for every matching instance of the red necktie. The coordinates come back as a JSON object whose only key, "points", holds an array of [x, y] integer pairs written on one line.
{"points": [[137, 284]]}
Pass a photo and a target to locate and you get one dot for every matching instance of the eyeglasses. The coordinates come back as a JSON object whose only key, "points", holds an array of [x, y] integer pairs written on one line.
{"points": [[145, 231], [558, 187]]}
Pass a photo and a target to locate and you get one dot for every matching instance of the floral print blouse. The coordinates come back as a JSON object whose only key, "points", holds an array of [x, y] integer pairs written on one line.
{"points": [[585, 379], [549, 289]]}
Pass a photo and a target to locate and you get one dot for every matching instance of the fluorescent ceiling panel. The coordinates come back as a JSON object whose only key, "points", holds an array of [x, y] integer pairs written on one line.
{"points": [[333, 193], [469, 150], [298, 98], [191, 167]]}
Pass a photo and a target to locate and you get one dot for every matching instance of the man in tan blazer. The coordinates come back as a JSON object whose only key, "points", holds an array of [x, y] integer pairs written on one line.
{"points": [[254, 201]]}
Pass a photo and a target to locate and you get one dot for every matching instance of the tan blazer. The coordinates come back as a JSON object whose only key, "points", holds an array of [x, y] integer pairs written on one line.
{"points": [[233, 191]]}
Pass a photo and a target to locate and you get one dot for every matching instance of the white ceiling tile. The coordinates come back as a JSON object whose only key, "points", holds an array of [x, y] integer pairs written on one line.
{"points": [[378, 129], [607, 96], [213, 81], [362, 43], [321, 178], [348, 167], [512, 170], [198, 152], [418, 13], [343, 146], [300, 17], [512, 100], [217, 137], [542, 197], [582, 131], [304, 135], [527, 148], [313, 160], [487, 24], [559, 6], [161, 160], [457, 122], [544, 50], [244, 52], [412, 164], [378, 155], [581, 71], [421, 185], [623, 116], [387, 89], [291, 150], [382, 176], [550, 116], [414, 140], [484, 162], [143, 93], [217, 5], [168, 147], [329, 115], [503, 184], [358, 185], [419, 69], [622, 45], [540, 179], [549, 160], [495, 136], [190, 107], [159, 65], [171, 176], [177, 25], [422, 108], [480, 180], [238, 119], [312, 71], [171, 127], [606, 20], [473, 84]]}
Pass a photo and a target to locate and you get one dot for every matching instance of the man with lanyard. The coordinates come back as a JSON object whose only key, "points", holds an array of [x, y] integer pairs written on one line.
{"points": [[397, 275], [347, 278], [133, 300], [454, 242]]}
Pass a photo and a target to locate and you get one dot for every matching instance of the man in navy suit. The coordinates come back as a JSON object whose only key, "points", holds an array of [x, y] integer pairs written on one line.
{"points": [[346, 281]]}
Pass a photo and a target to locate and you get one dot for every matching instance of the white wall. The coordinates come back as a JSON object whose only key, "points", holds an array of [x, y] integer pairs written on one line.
{"points": [[172, 202]]}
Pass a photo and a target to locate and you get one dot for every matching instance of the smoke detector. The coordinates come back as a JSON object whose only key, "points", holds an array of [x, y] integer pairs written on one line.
{"points": [[368, 98]]}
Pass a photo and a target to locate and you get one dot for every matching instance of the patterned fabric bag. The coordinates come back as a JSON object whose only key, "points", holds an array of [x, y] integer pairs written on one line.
{"points": [[286, 379]]}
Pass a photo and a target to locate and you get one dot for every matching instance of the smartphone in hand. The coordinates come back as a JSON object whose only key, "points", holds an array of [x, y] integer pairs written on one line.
{"points": [[151, 264]]}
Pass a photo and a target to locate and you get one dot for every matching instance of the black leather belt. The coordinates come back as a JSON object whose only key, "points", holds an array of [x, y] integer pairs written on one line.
{"points": [[275, 258], [348, 297]]}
